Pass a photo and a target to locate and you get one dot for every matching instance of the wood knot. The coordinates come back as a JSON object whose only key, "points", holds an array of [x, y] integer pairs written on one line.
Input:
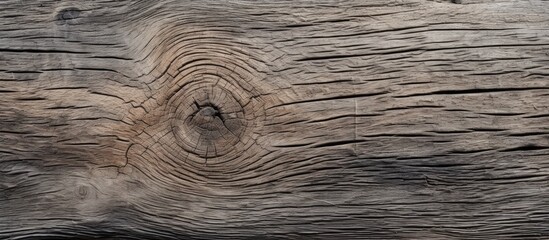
{"points": [[82, 192], [210, 119], [209, 104], [68, 15], [208, 115]]}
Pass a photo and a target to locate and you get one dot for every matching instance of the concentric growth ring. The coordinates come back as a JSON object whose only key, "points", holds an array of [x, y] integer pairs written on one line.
{"points": [[214, 113]]}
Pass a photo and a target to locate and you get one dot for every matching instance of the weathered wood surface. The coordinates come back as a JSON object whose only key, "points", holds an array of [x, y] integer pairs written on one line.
{"points": [[400, 119]]}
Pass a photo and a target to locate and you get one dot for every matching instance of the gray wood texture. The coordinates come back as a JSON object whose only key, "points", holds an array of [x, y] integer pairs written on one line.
{"points": [[401, 119]]}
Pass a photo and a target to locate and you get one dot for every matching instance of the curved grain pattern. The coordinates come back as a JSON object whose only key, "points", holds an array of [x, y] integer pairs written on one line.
{"points": [[409, 119]]}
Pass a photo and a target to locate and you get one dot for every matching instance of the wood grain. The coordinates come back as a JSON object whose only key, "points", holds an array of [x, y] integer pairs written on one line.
{"points": [[404, 119]]}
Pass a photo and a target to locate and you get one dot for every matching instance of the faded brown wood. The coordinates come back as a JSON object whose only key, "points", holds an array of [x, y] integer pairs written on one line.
{"points": [[397, 119]]}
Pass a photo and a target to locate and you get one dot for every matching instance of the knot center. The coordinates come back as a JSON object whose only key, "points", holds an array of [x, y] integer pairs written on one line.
{"points": [[208, 111]]}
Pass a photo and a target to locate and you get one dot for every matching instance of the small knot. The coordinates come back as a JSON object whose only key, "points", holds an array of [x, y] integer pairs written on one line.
{"points": [[82, 192], [68, 15]]}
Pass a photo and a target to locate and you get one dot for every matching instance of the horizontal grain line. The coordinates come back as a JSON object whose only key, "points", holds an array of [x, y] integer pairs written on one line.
{"points": [[318, 83], [367, 33], [98, 69], [15, 132], [343, 116], [292, 145], [108, 95], [22, 71], [31, 99], [67, 107], [526, 134], [538, 115], [338, 143], [331, 57], [30, 50], [527, 147], [65, 88], [332, 98], [502, 114], [112, 57], [470, 151], [471, 91], [481, 129], [407, 50]]}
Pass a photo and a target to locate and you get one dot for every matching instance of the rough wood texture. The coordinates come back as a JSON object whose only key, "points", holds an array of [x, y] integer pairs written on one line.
{"points": [[399, 119]]}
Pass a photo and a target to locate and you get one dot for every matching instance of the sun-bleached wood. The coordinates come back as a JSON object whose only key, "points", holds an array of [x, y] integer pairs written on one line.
{"points": [[404, 119]]}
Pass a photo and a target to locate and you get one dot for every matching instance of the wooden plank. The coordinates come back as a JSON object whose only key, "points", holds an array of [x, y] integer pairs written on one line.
{"points": [[400, 119]]}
